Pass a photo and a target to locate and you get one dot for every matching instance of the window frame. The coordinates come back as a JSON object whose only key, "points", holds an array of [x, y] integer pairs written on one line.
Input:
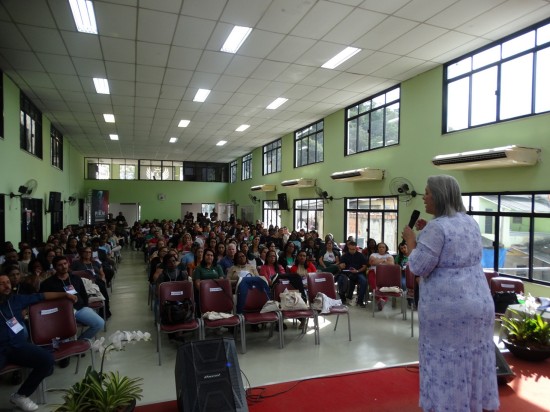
{"points": [[358, 111], [271, 213], [56, 148], [30, 113], [318, 211], [272, 153], [500, 88], [246, 167], [304, 134], [233, 171]]}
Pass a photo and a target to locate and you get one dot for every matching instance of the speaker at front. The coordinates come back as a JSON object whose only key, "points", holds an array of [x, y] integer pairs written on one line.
{"points": [[208, 377]]}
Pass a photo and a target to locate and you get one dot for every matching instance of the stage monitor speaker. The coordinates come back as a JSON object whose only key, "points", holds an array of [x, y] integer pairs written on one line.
{"points": [[208, 377], [283, 201], [504, 373]]}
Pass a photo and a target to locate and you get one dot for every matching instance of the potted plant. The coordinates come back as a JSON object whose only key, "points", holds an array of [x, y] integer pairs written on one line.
{"points": [[100, 391], [527, 334]]}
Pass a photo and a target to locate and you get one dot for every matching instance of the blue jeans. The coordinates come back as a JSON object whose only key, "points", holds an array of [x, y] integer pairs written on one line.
{"points": [[40, 361], [361, 279], [90, 318]]}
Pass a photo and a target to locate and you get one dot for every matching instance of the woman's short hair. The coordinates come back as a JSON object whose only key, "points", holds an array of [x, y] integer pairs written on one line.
{"points": [[446, 195]]}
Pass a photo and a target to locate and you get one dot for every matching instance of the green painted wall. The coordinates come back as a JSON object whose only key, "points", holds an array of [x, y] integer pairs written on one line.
{"points": [[17, 166]]}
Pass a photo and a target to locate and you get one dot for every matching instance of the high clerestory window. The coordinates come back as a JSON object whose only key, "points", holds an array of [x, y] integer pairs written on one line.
{"points": [[308, 144], [233, 171], [246, 164], [30, 136], [505, 80], [56, 148], [374, 122], [273, 153]]}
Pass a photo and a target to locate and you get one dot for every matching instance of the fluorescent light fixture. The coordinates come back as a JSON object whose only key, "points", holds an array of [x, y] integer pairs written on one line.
{"points": [[341, 57], [84, 17], [101, 85], [109, 118], [235, 39], [242, 127], [184, 123], [201, 95], [113, 136], [173, 140], [276, 103], [221, 143]]}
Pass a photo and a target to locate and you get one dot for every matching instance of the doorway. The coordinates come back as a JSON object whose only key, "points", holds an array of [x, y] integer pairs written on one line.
{"points": [[31, 221]]}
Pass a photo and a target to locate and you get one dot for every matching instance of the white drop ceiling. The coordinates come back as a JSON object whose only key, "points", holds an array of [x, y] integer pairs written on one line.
{"points": [[156, 54]]}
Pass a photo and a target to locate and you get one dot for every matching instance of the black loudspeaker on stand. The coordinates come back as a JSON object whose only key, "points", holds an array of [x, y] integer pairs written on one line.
{"points": [[208, 378]]}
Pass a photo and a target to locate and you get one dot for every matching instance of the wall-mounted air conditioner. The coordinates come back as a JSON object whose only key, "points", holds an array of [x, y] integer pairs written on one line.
{"points": [[507, 156], [298, 183], [365, 173], [263, 188]]}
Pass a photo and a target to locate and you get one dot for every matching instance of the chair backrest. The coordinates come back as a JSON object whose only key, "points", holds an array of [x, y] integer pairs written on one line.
{"points": [[50, 319], [84, 274], [388, 276], [216, 296], [257, 292], [280, 287], [489, 274], [320, 282], [176, 291], [502, 284], [409, 278]]}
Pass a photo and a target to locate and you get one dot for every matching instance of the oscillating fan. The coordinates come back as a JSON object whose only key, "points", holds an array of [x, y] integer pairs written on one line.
{"points": [[323, 194], [254, 199], [403, 189], [27, 189], [72, 199]]}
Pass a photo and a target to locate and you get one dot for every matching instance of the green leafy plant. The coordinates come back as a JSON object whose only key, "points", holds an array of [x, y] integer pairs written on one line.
{"points": [[529, 330]]}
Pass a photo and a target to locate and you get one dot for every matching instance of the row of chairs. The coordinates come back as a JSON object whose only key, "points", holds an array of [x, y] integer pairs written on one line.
{"points": [[216, 296]]}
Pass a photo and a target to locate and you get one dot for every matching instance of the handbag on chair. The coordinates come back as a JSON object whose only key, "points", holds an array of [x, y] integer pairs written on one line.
{"points": [[292, 300]]}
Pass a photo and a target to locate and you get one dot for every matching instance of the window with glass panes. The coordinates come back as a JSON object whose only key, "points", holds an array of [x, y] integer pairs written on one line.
{"points": [[308, 214], [30, 127], [272, 157], [308, 144], [246, 163], [56, 148], [233, 171], [372, 217], [515, 232], [271, 213], [504, 80], [373, 123]]}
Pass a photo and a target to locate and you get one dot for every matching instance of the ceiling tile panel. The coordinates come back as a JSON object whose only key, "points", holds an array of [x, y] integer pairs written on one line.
{"points": [[244, 12], [295, 73], [118, 50], [177, 77], [242, 66], [147, 90], [31, 12], [169, 6], [184, 58], [64, 82], [201, 80], [283, 15], [149, 74], [373, 62], [387, 31], [422, 10], [10, 31], [321, 19], [290, 49], [414, 39], [398, 66], [82, 45], [172, 92], [269, 70], [56, 64], [152, 54], [214, 62], [89, 67], [441, 44], [354, 26], [120, 71], [37, 79], [115, 20], [122, 88], [193, 32], [205, 9], [387, 6], [21, 60], [261, 44], [461, 12]]}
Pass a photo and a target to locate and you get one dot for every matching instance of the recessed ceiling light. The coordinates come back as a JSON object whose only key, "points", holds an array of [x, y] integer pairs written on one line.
{"points": [[101, 85], [242, 127], [184, 123], [173, 140], [113, 136], [221, 143], [84, 17], [341, 57], [235, 39], [109, 118], [201, 95], [276, 103]]}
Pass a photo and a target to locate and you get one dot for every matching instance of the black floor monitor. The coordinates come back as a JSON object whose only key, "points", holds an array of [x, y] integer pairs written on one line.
{"points": [[208, 377]]}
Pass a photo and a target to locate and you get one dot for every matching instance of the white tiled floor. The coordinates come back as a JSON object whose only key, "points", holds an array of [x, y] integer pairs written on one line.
{"points": [[376, 342]]}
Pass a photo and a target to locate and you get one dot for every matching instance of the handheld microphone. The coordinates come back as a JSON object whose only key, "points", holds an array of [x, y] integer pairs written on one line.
{"points": [[414, 217]]}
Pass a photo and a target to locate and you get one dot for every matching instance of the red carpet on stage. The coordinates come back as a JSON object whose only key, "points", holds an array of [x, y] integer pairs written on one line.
{"points": [[381, 390]]}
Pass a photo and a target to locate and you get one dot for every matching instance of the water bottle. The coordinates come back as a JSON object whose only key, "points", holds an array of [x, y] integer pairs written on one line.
{"points": [[55, 343]]}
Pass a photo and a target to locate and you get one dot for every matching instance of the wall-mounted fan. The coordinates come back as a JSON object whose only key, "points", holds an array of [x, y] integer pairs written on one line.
{"points": [[26, 190], [72, 199], [254, 199], [323, 194], [403, 189]]}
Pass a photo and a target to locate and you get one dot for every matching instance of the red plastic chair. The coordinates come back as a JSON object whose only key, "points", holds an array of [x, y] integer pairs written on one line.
{"points": [[324, 282], [502, 284], [175, 291], [54, 319], [279, 288], [216, 296], [388, 276], [490, 274], [255, 301]]}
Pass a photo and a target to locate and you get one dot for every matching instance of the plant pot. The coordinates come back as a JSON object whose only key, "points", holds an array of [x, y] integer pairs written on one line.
{"points": [[532, 354], [130, 407]]}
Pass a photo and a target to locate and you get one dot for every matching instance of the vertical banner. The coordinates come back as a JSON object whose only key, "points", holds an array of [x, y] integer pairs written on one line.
{"points": [[100, 206]]}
